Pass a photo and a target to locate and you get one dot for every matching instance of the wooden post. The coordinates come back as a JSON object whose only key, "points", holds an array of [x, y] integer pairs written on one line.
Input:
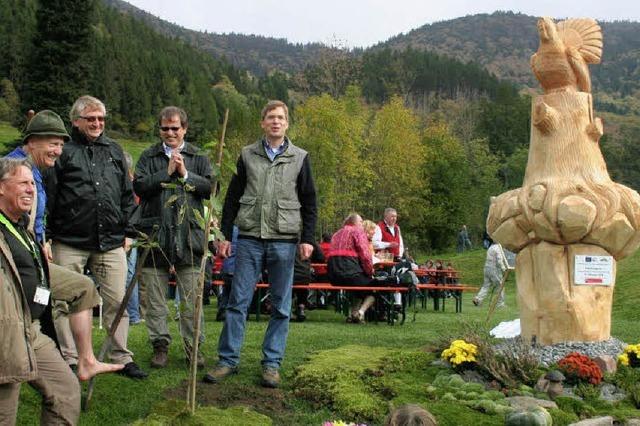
{"points": [[193, 376]]}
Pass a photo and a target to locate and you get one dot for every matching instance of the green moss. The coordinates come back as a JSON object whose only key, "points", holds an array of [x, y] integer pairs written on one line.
{"points": [[562, 418], [349, 379], [448, 397], [176, 413], [494, 395], [473, 387], [575, 406]]}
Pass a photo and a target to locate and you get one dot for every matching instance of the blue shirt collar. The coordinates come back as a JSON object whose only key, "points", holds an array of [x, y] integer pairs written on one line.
{"points": [[273, 153]]}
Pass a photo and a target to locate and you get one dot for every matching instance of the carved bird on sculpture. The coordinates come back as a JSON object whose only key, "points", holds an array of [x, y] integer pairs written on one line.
{"points": [[560, 64]]}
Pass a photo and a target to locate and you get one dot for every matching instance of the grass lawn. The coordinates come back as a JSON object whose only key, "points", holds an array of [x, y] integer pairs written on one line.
{"points": [[119, 400], [8, 134]]}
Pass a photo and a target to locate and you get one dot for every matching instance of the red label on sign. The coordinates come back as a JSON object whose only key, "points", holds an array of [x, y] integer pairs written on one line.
{"points": [[593, 280]]}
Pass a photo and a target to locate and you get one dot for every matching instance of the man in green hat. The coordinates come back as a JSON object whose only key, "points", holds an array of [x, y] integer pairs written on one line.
{"points": [[42, 144]]}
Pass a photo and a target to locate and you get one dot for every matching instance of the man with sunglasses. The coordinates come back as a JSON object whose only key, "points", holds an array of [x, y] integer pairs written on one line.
{"points": [[90, 200], [173, 180]]}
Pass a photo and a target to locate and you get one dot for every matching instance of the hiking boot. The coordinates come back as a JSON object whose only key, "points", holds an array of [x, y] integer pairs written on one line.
{"points": [[160, 354], [270, 378], [219, 373]]}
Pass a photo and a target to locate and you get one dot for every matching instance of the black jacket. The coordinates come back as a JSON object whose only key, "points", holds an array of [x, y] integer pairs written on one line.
{"points": [[181, 240], [89, 195]]}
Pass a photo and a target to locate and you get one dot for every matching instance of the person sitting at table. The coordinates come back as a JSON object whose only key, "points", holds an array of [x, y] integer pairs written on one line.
{"points": [[369, 227], [388, 236], [351, 263]]}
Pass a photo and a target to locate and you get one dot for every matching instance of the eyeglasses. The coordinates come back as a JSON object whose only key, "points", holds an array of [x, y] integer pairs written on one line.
{"points": [[166, 129], [93, 119]]}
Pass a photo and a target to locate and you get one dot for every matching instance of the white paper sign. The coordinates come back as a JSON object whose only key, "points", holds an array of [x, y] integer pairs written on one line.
{"points": [[593, 270], [42, 296]]}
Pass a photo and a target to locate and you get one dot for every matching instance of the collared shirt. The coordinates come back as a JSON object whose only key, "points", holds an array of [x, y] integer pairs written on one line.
{"points": [[168, 151], [378, 244], [273, 153]]}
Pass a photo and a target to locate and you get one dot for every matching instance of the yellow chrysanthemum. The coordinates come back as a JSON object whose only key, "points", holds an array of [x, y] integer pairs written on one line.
{"points": [[624, 359]]}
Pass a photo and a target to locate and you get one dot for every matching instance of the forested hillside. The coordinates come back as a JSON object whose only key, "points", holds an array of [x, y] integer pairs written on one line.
{"points": [[60, 50], [260, 55]]}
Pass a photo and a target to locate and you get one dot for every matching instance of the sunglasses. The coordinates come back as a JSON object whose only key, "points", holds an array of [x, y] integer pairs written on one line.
{"points": [[166, 129], [94, 118]]}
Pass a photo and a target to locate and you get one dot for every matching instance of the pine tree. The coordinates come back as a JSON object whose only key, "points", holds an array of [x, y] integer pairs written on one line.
{"points": [[59, 64]]}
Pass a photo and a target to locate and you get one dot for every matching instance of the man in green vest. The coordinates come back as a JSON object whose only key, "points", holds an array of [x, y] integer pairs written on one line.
{"points": [[272, 200]]}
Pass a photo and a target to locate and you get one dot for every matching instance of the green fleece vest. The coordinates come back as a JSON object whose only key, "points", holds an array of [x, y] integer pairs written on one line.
{"points": [[269, 207]]}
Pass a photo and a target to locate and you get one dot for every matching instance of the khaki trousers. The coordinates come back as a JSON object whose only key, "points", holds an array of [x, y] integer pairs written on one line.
{"points": [[70, 292], [56, 383], [109, 270], [155, 282]]}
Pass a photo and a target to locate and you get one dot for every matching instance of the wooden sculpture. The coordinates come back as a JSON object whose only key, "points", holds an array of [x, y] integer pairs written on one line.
{"points": [[568, 205]]}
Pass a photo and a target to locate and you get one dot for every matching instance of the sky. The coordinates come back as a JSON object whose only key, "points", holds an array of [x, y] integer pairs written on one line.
{"points": [[359, 23]]}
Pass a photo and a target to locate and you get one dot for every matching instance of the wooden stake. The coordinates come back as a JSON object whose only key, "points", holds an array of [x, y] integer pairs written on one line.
{"points": [[193, 368]]}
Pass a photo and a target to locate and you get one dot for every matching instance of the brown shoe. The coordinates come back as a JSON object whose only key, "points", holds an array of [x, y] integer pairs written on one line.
{"points": [[270, 378], [160, 354], [219, 373]]}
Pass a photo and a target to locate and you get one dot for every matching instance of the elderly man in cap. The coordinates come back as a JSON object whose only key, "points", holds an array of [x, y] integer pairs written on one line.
{"points": [[42, 144]]}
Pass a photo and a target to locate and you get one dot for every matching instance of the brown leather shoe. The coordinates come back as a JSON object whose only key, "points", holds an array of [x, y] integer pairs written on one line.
{"points": [[270, 378], [160, 354], [219, 373]]}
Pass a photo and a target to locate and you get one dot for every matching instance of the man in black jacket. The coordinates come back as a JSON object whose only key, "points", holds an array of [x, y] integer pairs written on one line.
{"points": [[90, 200], [172, 179]]}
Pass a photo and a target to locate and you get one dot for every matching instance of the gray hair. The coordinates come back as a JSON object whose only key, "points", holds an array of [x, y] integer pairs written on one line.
{"points": [[8, 166], [84, 102], [389, 210], [351, 219], [169, 112]]}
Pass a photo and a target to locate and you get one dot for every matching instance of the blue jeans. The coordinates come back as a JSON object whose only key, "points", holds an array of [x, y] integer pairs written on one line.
{"points": [[251, 256], [133, 306]]}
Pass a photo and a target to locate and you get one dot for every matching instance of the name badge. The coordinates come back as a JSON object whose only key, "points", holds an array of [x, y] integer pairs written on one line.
{"points": [[42, 296]]}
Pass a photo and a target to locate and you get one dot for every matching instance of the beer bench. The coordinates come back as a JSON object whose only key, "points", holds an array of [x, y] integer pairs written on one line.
{"points": [[342, 299], [438, 293]]}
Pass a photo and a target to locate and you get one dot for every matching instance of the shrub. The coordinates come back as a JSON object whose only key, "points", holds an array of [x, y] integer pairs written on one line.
{"points": [[626, 377], [580, 368], [587, 391], [575, 406], [562, 418], [513, 368]]}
